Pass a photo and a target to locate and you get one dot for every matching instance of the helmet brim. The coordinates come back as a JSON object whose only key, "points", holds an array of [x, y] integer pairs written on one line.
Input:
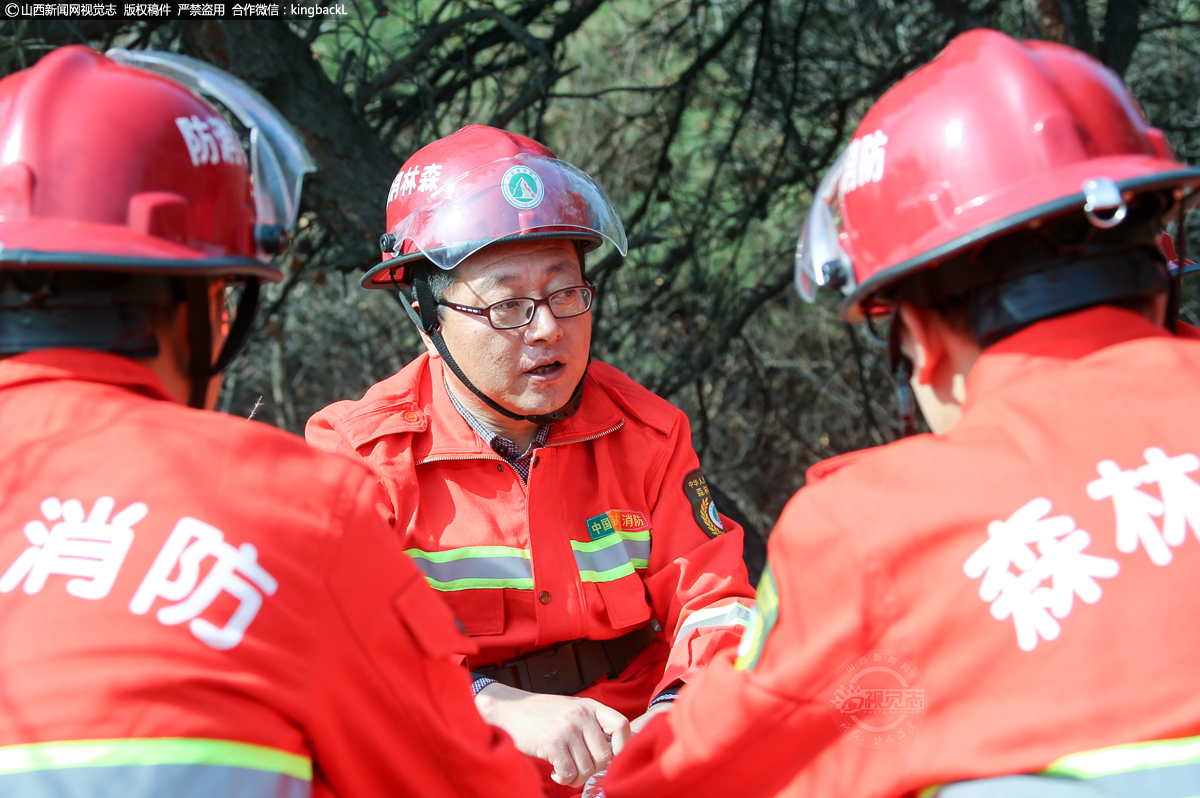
{"points": [[398, 270], [57, 244], [1057, 194]]}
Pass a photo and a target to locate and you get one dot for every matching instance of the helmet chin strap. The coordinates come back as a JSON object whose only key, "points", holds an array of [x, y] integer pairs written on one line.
{"points": [[201, 368], [1176, 290], [427, 322], [902, 369]]}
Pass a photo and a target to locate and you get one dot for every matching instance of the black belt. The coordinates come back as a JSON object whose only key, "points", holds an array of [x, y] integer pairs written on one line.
{"points": [[569, 668]]}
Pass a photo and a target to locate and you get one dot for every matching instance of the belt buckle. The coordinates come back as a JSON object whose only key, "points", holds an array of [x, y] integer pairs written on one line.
{"points": [[555, 671]]}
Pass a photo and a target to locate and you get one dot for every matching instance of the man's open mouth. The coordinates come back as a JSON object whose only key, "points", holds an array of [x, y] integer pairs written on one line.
{"points": [[545, 368]]}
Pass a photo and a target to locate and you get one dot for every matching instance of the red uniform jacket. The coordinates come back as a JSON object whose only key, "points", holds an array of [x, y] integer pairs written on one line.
{"points": [[1033, 575], [191, 604], [614, 528]]}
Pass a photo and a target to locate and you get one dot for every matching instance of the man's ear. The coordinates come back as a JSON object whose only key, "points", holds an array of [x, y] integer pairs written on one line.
{"points": [[921, 340], [433, 353]]}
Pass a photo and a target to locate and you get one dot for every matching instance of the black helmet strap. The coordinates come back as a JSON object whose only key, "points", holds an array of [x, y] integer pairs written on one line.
{"points": [[1176, 290], [201, 368], [901, 367], [428, 323]]}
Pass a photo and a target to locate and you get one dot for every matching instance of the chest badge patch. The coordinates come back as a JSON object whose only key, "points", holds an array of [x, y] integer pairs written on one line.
{"points": [[704, 509], [616, 521]]}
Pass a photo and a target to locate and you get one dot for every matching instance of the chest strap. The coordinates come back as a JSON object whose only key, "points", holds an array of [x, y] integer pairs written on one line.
{"points": [[569, 668]]}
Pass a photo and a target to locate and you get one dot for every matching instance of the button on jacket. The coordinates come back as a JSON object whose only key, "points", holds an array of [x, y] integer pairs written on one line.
{"points": [[1038, 564], [607, 534], [194, 605]]}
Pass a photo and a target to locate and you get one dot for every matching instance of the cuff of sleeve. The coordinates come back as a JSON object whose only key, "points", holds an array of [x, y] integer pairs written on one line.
{"points": [[478, 683], [668, 694]]}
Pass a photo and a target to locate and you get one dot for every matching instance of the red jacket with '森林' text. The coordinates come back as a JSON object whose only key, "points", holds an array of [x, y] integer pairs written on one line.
{"points": [[989, 601]]}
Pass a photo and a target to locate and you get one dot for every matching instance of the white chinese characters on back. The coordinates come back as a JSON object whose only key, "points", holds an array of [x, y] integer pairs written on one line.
{"points": [[191, 542], [1134, 509], [1060, 545], [1180, 493], [92, 550]]}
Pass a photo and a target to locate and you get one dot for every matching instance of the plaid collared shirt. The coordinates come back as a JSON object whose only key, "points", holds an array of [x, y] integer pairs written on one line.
{"points": [[501, 445]]}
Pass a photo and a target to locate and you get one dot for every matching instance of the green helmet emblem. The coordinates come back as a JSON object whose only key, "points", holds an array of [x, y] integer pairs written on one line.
{"points": [[522, 188]]}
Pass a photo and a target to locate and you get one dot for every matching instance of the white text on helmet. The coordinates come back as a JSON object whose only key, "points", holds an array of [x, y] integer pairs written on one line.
{"points": [[210, 141], [415, 179], [864, 162]]}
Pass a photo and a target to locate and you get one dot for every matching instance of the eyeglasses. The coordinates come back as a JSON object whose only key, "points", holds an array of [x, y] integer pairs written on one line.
{"points": [[509, 314]]}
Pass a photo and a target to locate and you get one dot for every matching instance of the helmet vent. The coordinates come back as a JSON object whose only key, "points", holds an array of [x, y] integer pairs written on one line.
{"points": [[161, 214]]}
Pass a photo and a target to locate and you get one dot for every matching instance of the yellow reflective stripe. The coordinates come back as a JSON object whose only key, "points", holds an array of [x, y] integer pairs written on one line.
{"points": [[1126, 758], [152, 751], [611, 539], [468, 552], [475, 568], [762, 621]]}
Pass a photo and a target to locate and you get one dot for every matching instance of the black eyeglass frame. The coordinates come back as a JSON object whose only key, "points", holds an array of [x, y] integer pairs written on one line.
{"points": [[589, 287]]}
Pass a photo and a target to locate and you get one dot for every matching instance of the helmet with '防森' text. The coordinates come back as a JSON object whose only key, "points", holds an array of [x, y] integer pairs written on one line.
{"points": [[122, 188], [991, 137]]}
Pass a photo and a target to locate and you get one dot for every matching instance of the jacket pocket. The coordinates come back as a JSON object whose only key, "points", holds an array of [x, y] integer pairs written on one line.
{"points": [[480, 612], [429, 622], [625, 601]]}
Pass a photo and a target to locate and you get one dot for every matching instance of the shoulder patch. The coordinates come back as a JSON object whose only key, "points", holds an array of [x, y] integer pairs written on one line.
{"points": [[704, 509], [762, 620]]}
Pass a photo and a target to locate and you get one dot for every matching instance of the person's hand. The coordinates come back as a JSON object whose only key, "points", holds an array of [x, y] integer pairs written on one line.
{"points": [[639, 723], [572, 734]]}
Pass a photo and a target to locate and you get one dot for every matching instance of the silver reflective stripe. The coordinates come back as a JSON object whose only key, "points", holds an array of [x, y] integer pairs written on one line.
{"points": [[604, 559], [475, 567], [735, 614], [152, 781], [613, 556], [639, 550]]}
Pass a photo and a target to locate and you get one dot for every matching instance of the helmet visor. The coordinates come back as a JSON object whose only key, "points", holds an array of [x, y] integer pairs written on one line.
{"points": [[506, 199], [820, 258], [278, 159]]}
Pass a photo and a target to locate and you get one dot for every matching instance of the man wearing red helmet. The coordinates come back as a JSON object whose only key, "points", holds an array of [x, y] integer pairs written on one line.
{"points": [[556, 505], [1003, 607], [190, 605]]}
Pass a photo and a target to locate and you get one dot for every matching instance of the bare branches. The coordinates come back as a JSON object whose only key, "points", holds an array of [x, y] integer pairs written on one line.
{"points": [[709, 123]]}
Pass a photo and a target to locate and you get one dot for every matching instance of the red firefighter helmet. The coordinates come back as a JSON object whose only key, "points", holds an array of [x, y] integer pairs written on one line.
{"points": [[481, 186], [992, 136], [115, 165], [161, 185]]}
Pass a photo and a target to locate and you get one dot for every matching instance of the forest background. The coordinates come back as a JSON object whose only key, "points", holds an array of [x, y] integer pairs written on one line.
{"points": [[708, 122]]}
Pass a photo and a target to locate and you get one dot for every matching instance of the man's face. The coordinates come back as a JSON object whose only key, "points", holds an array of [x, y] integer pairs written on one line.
{"points": [[532, 369]]}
